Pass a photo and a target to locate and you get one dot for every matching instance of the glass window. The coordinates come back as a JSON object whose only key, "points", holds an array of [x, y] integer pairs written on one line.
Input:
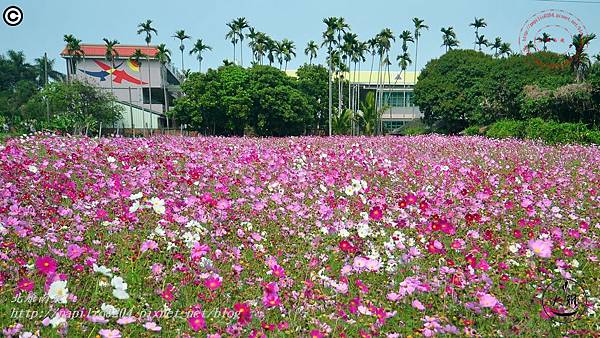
{"points": [[398, 99]]}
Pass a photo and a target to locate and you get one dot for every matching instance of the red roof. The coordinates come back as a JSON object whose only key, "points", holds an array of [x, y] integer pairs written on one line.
{"points": [[124, 51]]}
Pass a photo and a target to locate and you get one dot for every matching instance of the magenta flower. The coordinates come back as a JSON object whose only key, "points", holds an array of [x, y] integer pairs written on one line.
{"points": [[212, 282], [316, 334], [376, 213], [45, 265], [197, 321], [25, 285]]}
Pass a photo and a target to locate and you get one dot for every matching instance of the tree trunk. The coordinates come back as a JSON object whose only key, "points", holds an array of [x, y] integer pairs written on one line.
{"points": [[330, 94], [150, 91]]}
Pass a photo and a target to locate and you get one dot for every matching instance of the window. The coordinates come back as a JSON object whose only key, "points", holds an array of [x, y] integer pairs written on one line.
{"points": [[398, 99], [391, 125]]}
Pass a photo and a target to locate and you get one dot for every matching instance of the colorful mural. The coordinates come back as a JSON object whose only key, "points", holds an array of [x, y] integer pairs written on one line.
{"points": [[118, 74]]}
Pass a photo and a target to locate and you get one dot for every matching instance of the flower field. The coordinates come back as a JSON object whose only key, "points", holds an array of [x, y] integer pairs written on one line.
{"points": [[304, 237]]}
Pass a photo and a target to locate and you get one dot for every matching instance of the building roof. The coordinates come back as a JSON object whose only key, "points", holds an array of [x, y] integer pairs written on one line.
{"points": [[123, 51], [367, 77]]}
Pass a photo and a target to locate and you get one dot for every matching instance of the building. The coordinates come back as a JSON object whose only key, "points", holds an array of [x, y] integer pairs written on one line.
{"points": [[146, 91], [397, 94]]}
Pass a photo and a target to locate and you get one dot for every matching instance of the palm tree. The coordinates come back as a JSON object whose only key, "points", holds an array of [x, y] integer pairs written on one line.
{"points": [[199, 47], [74, 51], [253, 35], [278, 51], [272, 48], [181, 36], [449, 38], [329, 40], [580, 62], [110, 55], [241, 24], [404, 61], [137, 57], [288, 50], [348, 48], [481, 40], [372, 45], [545, 38], [358, 57], [232, 35], [418, 27], [496, 45], [530, 46], [146, 28], [478, 23], [505, 49], [44, 69], [259, 46], [311, 50], [163, 55], [384, 39]]}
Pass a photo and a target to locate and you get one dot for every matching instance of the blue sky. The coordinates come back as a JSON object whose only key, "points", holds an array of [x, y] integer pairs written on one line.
{"points": [[46, 21]]}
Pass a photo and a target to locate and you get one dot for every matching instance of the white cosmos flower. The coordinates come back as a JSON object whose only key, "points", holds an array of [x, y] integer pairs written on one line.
{"points": [[120, 294], [118, 283], [57, 320], [102, 269], [109, 310], [160, 231], [363, 230], [136, 196], [349, 190], [344, 233], [133, 208], [514, 248], [111, 159], [158, 205], [33, 169], [58, 291]]}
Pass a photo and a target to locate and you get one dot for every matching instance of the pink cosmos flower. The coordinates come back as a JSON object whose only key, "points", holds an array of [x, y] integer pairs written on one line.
{"points": [[126, 320], [197, 322], [487, 300], [25, 285], [542, 248], [152, 326], [106, 333], [45, 265], [74, 251], [376, 213], [199, 250], [418, 305], [243, 313], [212, 282], [271, 300], [149, 245], [278, 271], [316, 334]]}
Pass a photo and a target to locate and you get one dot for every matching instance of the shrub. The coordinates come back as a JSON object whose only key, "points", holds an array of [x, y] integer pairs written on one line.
{"points": [[505, 129], [550, 132], [553, 132], [473, 131]]}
